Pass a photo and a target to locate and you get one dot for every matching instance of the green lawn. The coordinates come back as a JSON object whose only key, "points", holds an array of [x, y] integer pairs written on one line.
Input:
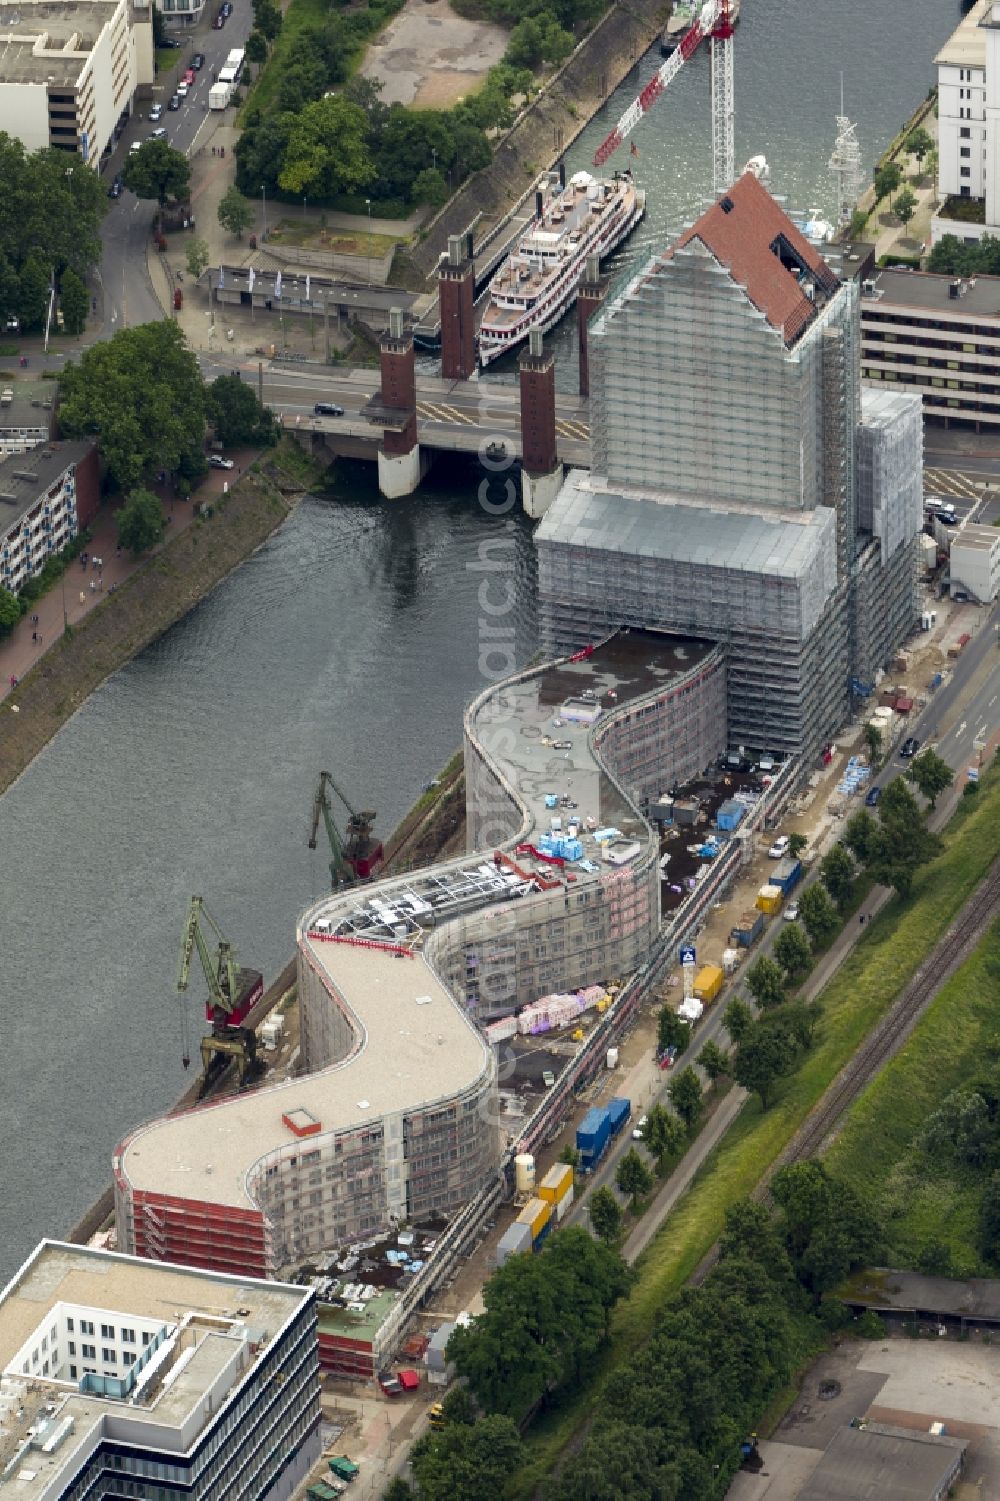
{"points": [[924, 1201], [893, 947]]}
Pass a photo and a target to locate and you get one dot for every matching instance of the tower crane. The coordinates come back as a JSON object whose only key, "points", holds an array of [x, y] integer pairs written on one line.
{"points": [[357, 855], [232, 994], [714, 21]]}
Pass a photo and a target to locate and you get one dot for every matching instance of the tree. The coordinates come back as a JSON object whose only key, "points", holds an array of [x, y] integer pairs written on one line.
{"points": [[989, 1220], [873, 743], [327, 151], [142, 394], [570, 1156], [398, 1489], [791, 949], [141, 522], [931, 774], [430, 187], [73, 302], [237, 415], [766, 983], [459, 1406], [10, 611], [632, 1176], [605, 1216], [464, 1463], [235, 213], [887, 180], [157, 171], [961, 1126], [196, 256], [818, 914], [904, 842], [862, 835], [737, 1019], [256, 47], [765, 1054], [918, 143], [671, 1030], [664, 1135], [796, 844], [714, 1061], [836, 871], [827, 1229], [35, 287], [686, 1096], [906, 206], [267, 19]]}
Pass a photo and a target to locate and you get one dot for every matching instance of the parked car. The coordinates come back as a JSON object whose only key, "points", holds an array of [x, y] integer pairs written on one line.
{"points": [[218, 22], [667, 1057], [873, 795], [638, 1129], [216, 461], [226, 9], [174, 102], [328, 409], [158, 134], [779, 847], [791, 912], [115, 190], [156, 113], [198, 61], [170, 42], [188, 76], [909, 748], [182, 89], [548, 1078]]}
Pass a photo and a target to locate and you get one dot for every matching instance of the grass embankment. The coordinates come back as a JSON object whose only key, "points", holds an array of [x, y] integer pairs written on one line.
{"points": [[171, 584], [925, 1199], [894, 946], [299, 16]]}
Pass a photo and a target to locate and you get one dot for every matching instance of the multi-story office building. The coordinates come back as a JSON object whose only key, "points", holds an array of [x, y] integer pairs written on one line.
{"points": [[968, 69], [123, 1377], [937, 337], [721, 502], [47, 496], [395, 1116], [69, 69]]}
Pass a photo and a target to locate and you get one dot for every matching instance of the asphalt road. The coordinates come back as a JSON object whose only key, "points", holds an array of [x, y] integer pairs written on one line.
{"points": [[962, 711], [128, 296]]}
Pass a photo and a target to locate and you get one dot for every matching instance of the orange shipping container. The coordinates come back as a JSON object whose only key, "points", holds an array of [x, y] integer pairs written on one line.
{"points": [[556, 1184], [535, 1213]]}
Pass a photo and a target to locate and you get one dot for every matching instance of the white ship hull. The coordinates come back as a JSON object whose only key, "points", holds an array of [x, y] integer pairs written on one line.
{"points": [[559, 292]]}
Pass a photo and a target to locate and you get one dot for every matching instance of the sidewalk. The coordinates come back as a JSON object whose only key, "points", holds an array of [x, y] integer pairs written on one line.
{"points": [[84, 587]]}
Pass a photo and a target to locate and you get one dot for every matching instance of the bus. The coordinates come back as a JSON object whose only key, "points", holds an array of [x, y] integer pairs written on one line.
{"points": [[235, 62]]}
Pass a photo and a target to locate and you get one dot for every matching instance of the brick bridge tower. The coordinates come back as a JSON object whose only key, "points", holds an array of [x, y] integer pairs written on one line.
{"points": [[541, 471], [394, 409], [456, 284], [593, 290]]}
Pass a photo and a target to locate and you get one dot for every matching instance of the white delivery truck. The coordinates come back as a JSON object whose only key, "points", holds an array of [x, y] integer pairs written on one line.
{"points": [[219, 95]]}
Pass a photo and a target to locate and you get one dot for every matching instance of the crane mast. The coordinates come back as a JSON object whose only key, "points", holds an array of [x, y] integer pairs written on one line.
{"points": [[714, 21], [356, 856], [232, 994]]}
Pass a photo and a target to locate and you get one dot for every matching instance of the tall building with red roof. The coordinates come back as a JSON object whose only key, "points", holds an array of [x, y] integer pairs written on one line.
{"points": [[726, 422]]}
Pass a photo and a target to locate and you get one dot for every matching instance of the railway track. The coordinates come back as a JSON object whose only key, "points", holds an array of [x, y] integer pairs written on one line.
{"points": [[891, 1032]]}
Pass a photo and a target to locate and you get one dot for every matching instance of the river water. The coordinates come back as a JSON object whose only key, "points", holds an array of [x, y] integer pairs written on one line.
{"points": [[349, 642]]}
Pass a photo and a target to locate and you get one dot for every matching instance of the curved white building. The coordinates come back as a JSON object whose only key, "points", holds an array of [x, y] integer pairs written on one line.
{"points": [[394, 1117]]}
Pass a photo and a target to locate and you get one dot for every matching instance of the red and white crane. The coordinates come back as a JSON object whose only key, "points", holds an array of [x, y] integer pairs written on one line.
{"points": [[714, 21]]}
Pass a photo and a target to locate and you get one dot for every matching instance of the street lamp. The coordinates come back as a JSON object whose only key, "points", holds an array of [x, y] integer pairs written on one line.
{"points": [[263, 200], [368, 205]]}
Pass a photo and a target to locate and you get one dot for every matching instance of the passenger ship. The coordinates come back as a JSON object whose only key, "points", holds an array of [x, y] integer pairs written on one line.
{"points": [[539, 280]]}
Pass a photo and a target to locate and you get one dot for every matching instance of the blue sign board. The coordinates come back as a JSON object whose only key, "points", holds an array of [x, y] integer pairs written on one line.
{"points": [[686, 953]]}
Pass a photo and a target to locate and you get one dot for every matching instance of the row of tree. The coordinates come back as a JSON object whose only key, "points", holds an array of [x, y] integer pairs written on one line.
{"points": [[50, 215], [953, 257]]}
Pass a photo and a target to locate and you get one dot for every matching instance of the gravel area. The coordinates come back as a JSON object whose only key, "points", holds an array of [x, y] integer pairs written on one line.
{"points": [[429, 57]]}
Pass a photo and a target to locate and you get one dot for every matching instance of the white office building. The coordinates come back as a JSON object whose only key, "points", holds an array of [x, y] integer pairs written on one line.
{"points": [[968, 69]]}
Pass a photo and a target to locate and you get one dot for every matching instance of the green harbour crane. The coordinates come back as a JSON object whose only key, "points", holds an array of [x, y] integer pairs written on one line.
{"points": [[355, 854], [232, 994]]}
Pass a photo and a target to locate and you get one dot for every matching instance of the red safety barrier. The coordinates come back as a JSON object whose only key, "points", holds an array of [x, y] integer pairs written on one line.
{"points": [[364, 943], [529, 849]]}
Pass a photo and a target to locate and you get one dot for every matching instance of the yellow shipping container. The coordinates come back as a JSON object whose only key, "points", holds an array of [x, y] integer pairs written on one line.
{"points": [[536, 1214], [556, 1184], [708, 983], [769, 899]]}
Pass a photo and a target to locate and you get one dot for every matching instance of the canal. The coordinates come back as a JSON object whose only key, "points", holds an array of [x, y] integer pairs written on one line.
{"points": [[350, 642]]}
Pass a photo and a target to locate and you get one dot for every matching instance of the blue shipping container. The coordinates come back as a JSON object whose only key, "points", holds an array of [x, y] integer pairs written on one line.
{"points": [[729, 815], [749, 927], [786, 874], [618, 1113], [592, 1135]]}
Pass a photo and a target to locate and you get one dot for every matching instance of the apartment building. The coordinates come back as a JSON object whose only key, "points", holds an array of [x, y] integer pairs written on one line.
{"points": [[47, 496], [27, 414]]}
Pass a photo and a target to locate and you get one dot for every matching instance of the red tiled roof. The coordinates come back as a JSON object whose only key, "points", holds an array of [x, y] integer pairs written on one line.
{"points": [[741, 240]]}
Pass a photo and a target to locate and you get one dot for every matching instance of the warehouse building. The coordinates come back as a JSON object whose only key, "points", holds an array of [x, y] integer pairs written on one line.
{"points": [[735, 517], [125, 1377], [894, 1464], [395, 1117]]}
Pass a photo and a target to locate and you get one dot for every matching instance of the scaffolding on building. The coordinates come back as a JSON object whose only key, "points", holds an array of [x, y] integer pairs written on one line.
{"points": [[847, 168]]}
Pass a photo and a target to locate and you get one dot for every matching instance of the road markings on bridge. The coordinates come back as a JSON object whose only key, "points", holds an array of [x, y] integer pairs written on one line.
{"points": [[438, 412]]}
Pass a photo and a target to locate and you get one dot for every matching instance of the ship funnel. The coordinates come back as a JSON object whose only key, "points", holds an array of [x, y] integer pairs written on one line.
{"points": [[538, 205], [454, 250], [535, 343], [468, 245], [562, 174], [593, 268], [395, 323]]}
